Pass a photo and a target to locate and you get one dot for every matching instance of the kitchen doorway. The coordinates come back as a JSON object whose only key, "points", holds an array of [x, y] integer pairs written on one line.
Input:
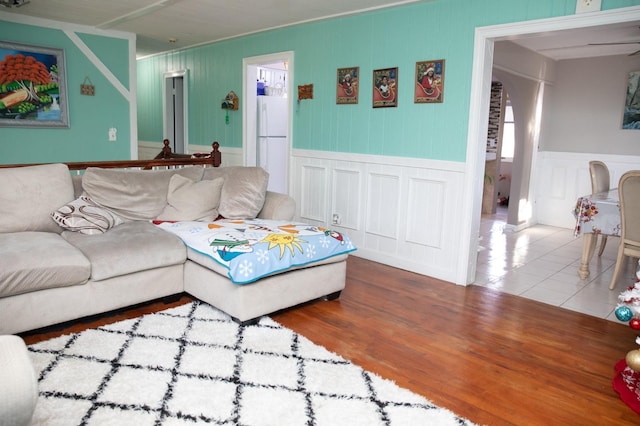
{"points": [[267, 96]]}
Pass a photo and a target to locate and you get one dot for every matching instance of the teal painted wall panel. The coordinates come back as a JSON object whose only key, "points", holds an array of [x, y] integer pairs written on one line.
{"points": [[111, 51], [149, 99], [397, 37], [90, 117]]}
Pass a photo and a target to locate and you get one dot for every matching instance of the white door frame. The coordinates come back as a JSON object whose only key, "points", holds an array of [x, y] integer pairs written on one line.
{"points": [[166, 77], [479, 114], [249, 112]]}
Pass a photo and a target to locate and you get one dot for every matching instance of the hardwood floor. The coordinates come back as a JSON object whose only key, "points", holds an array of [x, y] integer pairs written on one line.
{"points": [[492, 357]]}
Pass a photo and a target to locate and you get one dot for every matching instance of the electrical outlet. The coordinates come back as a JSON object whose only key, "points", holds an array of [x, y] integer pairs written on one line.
{"points": [[335, 220], [588, 5], [112, 134]]}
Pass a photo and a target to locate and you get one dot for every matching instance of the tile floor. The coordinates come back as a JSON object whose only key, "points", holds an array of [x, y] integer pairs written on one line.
{"points": [[541, 263]]}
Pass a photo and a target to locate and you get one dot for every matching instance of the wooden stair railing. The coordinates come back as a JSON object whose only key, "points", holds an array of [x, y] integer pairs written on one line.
{"points": [[214, 160]]}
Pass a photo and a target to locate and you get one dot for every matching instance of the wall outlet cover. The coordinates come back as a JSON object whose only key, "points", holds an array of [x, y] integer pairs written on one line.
{"points": [[583, 6]]}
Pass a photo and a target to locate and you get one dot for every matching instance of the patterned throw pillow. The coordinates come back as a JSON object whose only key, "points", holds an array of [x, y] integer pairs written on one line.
{"points": [[85, 216]]}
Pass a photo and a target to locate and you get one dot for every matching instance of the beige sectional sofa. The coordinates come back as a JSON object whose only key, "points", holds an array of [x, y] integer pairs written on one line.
{"points": [[74, 246]]}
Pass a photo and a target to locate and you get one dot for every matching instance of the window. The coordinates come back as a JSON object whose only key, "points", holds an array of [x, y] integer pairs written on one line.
{"points": [[508, 133]]}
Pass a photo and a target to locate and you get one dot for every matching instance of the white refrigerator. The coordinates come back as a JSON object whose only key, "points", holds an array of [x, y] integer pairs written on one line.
{"points": [[272, 145]]}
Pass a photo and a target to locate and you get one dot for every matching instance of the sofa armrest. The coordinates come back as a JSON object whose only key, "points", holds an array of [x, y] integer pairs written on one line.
{"points": [[278, 206]]}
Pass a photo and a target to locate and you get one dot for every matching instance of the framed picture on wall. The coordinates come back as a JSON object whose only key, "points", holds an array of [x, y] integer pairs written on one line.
{"points": [[385, 87], [429, 83], [631, 118], [32, 86], [347, 85]]}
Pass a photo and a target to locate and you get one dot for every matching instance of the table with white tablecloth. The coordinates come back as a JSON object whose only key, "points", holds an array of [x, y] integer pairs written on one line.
{"points": [[596, 214]]}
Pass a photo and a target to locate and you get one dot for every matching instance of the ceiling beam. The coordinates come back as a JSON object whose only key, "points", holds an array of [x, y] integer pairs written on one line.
{"points": [[137, 13]]}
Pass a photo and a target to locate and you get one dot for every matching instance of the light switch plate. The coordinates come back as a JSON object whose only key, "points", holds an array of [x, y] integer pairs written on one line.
{"points": [[583, 6]]}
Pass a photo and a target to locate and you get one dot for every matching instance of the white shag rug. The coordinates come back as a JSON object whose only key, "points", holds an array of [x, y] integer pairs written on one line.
{"points": [[193, 365]]}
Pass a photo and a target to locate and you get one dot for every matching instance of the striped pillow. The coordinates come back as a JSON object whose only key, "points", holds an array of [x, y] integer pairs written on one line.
{"points": [[85, 216]]}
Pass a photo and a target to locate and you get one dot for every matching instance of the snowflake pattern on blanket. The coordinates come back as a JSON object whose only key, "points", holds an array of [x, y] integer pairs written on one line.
{"points": [[252, 249]]}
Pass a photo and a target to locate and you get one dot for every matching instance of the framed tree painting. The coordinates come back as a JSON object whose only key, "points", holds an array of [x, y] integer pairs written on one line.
{"points": [[32, 86], [429, 84], [385, 87], [347, 85]]}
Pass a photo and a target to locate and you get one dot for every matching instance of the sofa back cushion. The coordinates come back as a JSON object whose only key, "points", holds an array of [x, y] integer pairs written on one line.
{"points": [[243, 191], [188, 200], [133, 194], [29, 194]]}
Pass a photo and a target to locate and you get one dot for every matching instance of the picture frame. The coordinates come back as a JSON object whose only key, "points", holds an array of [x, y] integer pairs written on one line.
{"points": [[631, 116], [385, 87], [347, 85], [33, 90], [429, 82]]}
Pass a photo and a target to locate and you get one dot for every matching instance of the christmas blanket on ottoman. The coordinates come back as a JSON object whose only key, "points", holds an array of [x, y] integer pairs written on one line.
{"points": [[256, 248]]}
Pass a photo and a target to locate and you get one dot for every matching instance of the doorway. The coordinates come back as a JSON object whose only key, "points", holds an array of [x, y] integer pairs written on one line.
{"points": [[485, 37], [269, 151], [174, 110]]}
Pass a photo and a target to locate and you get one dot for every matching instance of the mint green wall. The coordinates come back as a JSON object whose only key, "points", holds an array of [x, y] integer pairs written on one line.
{"points": [[398, 37], [90, 117], [110, 51]]}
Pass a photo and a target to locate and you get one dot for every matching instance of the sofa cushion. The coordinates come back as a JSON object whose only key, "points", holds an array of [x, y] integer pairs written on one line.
{"points": [[278, 206], [131, 247], [133, 194], [31, 261], [85, 216], [243, 192], [30, 194], [189, 200]]}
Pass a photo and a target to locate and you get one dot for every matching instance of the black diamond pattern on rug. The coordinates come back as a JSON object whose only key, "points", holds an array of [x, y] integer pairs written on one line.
{"points": [[193, 365]]}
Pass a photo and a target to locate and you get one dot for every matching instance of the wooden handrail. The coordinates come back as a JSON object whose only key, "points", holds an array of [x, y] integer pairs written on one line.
{"points": [[214, 159], [167, 153]]}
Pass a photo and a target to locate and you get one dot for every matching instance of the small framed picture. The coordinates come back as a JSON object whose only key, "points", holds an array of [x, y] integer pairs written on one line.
{"points": [[347, 85], [385, 87], [429, 85]]}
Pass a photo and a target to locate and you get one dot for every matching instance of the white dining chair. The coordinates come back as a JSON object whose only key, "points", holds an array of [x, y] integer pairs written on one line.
{"points": [[629, 193], [599, 183]]}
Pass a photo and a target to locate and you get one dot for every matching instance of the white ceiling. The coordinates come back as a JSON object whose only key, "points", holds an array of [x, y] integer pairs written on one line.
{"points": [[174, 24], [192, 22], [575, 43]]}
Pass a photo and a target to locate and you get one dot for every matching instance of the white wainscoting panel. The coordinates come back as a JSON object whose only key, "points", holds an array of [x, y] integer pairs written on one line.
{"points": [[313, 203], [425, 223], [148, 150], [382, 205], [562, 177], [346, 186], [401, 212]]}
